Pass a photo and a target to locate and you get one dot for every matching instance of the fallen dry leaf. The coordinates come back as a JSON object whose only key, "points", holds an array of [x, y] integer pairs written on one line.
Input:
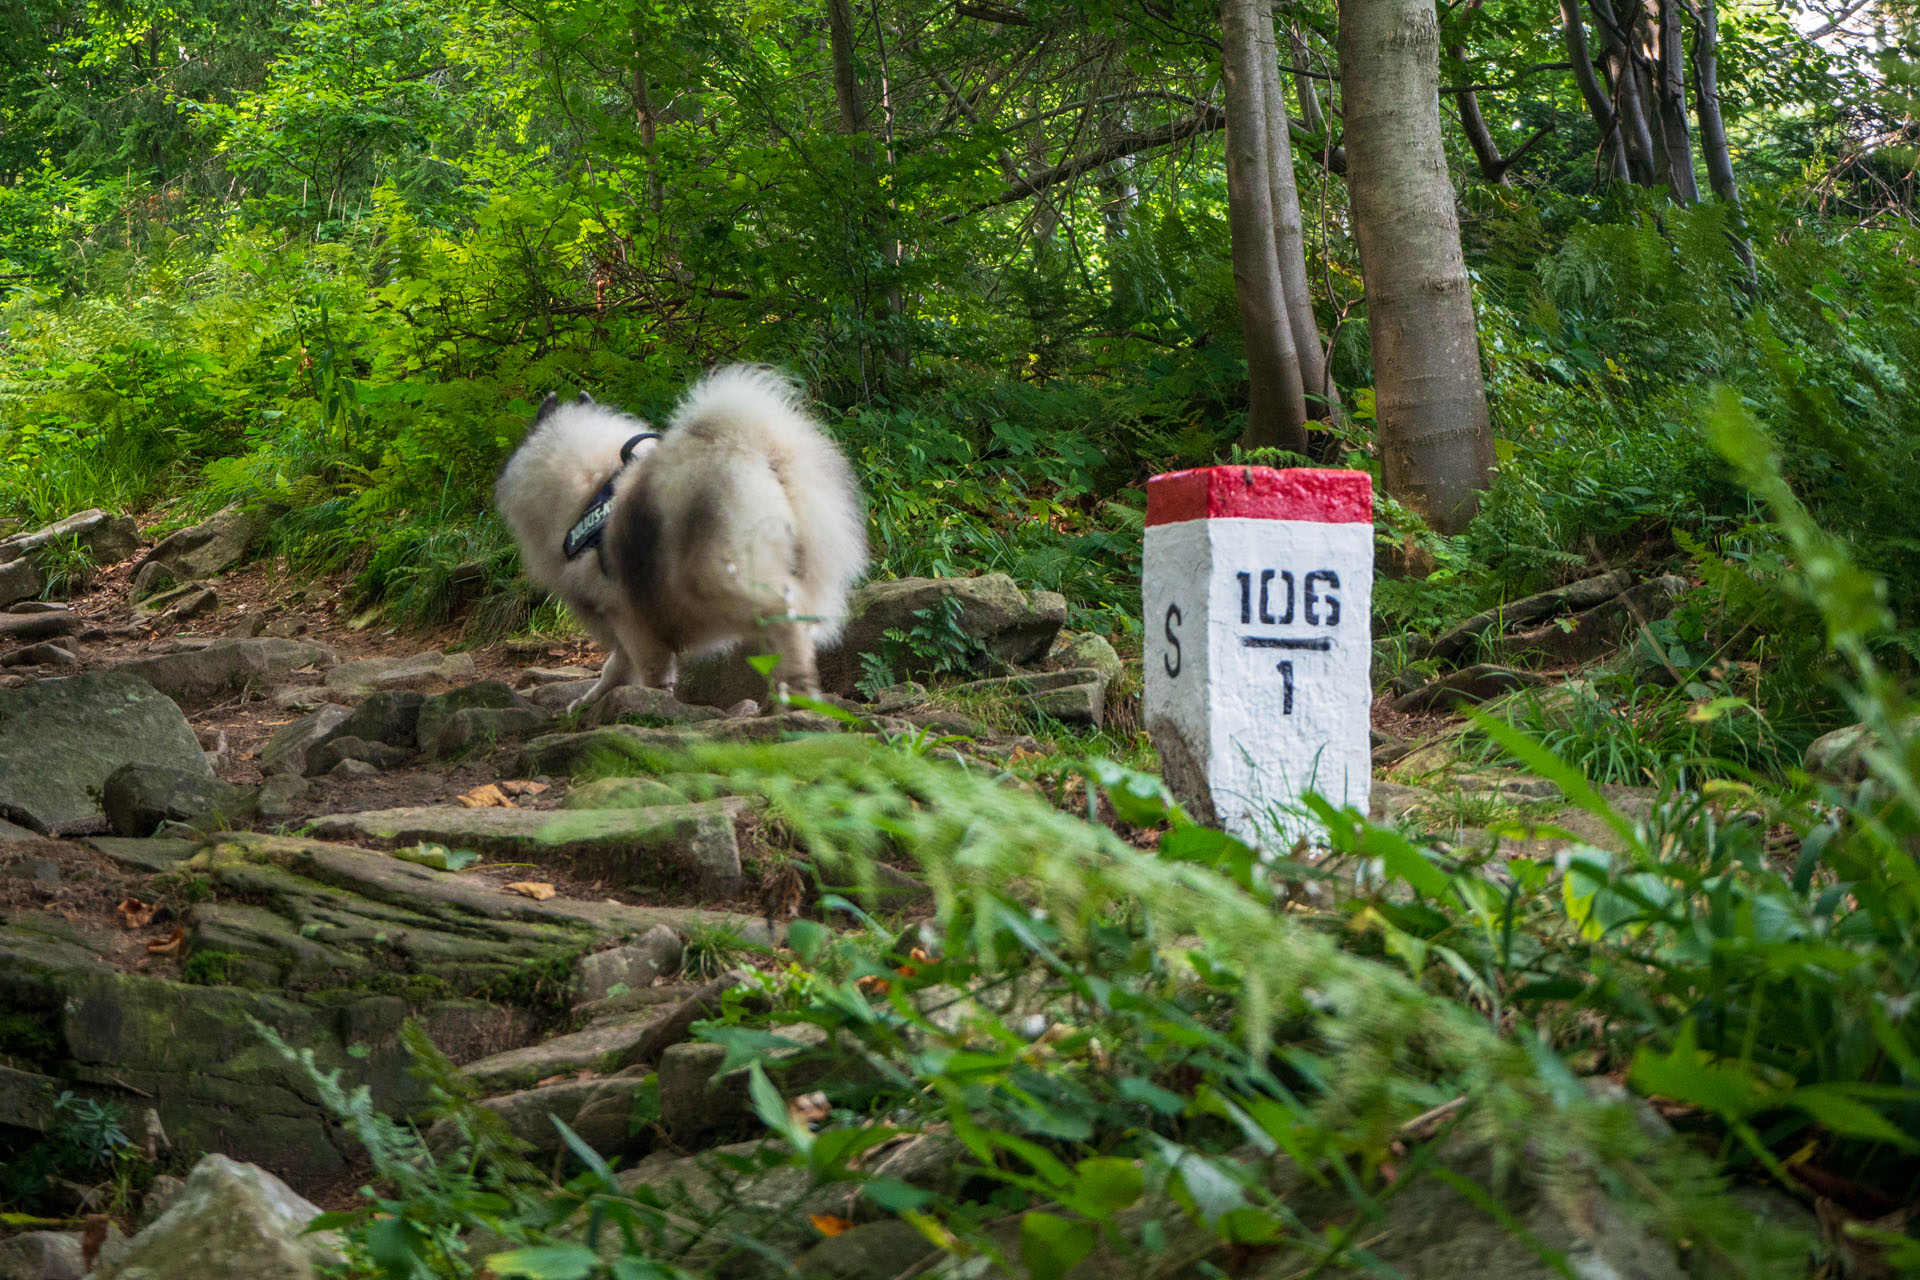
{"points": [[171, 945], [521, 787], [92, 1238], [828, 1224], [538, 890], [809, 1109], [487, 796], [135, 914]]}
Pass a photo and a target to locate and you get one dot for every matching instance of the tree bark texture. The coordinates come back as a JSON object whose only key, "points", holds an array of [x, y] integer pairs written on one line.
{"points": [[1311, 115], [1713, 130], [1670, 92], [1629, 106], [1289, 241], [1573, 25], [1276, 400], [1430, 401], [846, 79], [1706, 95]]}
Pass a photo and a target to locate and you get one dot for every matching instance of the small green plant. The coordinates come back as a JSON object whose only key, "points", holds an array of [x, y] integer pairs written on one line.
{"points": [[66, 565], [712, 950], [937, 642], [86, 1142], [876, 674]]}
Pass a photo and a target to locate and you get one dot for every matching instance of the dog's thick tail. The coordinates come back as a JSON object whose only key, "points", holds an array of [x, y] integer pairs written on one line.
{"points": [[745, 417]]}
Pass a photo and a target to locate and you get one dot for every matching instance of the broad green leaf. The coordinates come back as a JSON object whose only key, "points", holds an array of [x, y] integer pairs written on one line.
{"points": [[1104, 1185], [1689, 1074], [1834, 1106], [1050, 1245], [545, 1262]]}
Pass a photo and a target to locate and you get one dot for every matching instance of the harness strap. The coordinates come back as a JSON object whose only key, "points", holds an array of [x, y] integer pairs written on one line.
{"points": [[587, 530]]}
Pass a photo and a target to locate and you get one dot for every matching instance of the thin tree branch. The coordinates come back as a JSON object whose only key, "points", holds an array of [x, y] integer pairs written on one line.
{"points": [[992, 13], [1209, 120]]}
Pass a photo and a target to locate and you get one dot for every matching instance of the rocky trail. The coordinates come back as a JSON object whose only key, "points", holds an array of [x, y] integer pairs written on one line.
{"points": [[225, 805], [222, 802]]}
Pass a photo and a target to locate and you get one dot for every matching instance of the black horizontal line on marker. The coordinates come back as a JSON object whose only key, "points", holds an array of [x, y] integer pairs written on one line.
{"points": [[1321, 645]]}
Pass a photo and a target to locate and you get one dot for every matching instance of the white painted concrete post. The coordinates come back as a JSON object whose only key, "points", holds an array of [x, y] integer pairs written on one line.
{"points": [[1258, 594]]}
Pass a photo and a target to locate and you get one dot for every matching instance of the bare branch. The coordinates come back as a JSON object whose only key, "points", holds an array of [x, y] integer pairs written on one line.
{"points": [[1209, 119], [992, 13]]}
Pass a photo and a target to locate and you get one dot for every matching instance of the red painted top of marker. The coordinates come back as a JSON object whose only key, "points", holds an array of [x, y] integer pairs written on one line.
{"points": [[1260, 493]]}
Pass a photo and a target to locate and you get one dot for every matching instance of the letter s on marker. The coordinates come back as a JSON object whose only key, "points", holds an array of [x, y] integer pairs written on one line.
{"points": [[1172, 660]]}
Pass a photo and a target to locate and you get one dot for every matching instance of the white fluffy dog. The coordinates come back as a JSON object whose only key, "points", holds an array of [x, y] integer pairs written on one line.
{"points": [[741, 521]]}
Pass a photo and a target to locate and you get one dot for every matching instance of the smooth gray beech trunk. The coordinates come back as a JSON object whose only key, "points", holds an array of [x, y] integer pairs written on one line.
{"points": [[1573, 25], [1670, 93], [1713, 130], [1290, 244], [1276, 400], [1706, 94], [1430, 401], [1629, 104], [1311, 117]]}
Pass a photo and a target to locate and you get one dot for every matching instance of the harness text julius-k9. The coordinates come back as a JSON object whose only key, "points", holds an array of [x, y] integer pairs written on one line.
{"points": [[587, 530]]}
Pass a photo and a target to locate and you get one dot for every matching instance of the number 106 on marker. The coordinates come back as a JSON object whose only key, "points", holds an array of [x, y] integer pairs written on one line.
{"points": [[1257, 586]]}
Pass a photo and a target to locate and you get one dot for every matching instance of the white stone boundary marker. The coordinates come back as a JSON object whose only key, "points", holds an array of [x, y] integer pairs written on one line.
{"points": [[1258, 595]]}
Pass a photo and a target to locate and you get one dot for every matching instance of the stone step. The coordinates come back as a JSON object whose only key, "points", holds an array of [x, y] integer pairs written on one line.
{"points": [[689, 846]]}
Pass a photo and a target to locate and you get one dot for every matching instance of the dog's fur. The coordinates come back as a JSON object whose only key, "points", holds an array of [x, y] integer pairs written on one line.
{"points": [[743, 522]]}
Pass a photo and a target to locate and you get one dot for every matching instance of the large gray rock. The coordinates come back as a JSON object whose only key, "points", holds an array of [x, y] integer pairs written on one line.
{"points": [[334, 752], [654, 955], [286, 751], [19, 580], [632, 702], [600, 1048], [691, 847], [41, 1255], [227, 667], [420, 671], [437, 711], [179, 604], [1000, 623], [215, 544], [1572, 598], [44, 654], [39, 625], [61, 739], [392, 717], [1075, 696], [483, 728], [1088, 650], [108, 539], [139, 797], [233, 1221]]}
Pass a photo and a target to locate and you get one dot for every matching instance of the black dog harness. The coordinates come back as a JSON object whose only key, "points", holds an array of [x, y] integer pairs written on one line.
{"points": [[592, 523]]}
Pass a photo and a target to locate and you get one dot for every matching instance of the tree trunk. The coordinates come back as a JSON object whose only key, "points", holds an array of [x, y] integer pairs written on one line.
{"points": [[1612, 153], [1289, 241], [846, 79], [870, 213], [1670, 92], [1311, 116], [1276, 401], [1629, 106], [1713, 130], [1430, 401]]}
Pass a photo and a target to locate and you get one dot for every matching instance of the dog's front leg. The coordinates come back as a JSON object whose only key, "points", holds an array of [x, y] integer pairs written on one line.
{"points": [[613, 674]]}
